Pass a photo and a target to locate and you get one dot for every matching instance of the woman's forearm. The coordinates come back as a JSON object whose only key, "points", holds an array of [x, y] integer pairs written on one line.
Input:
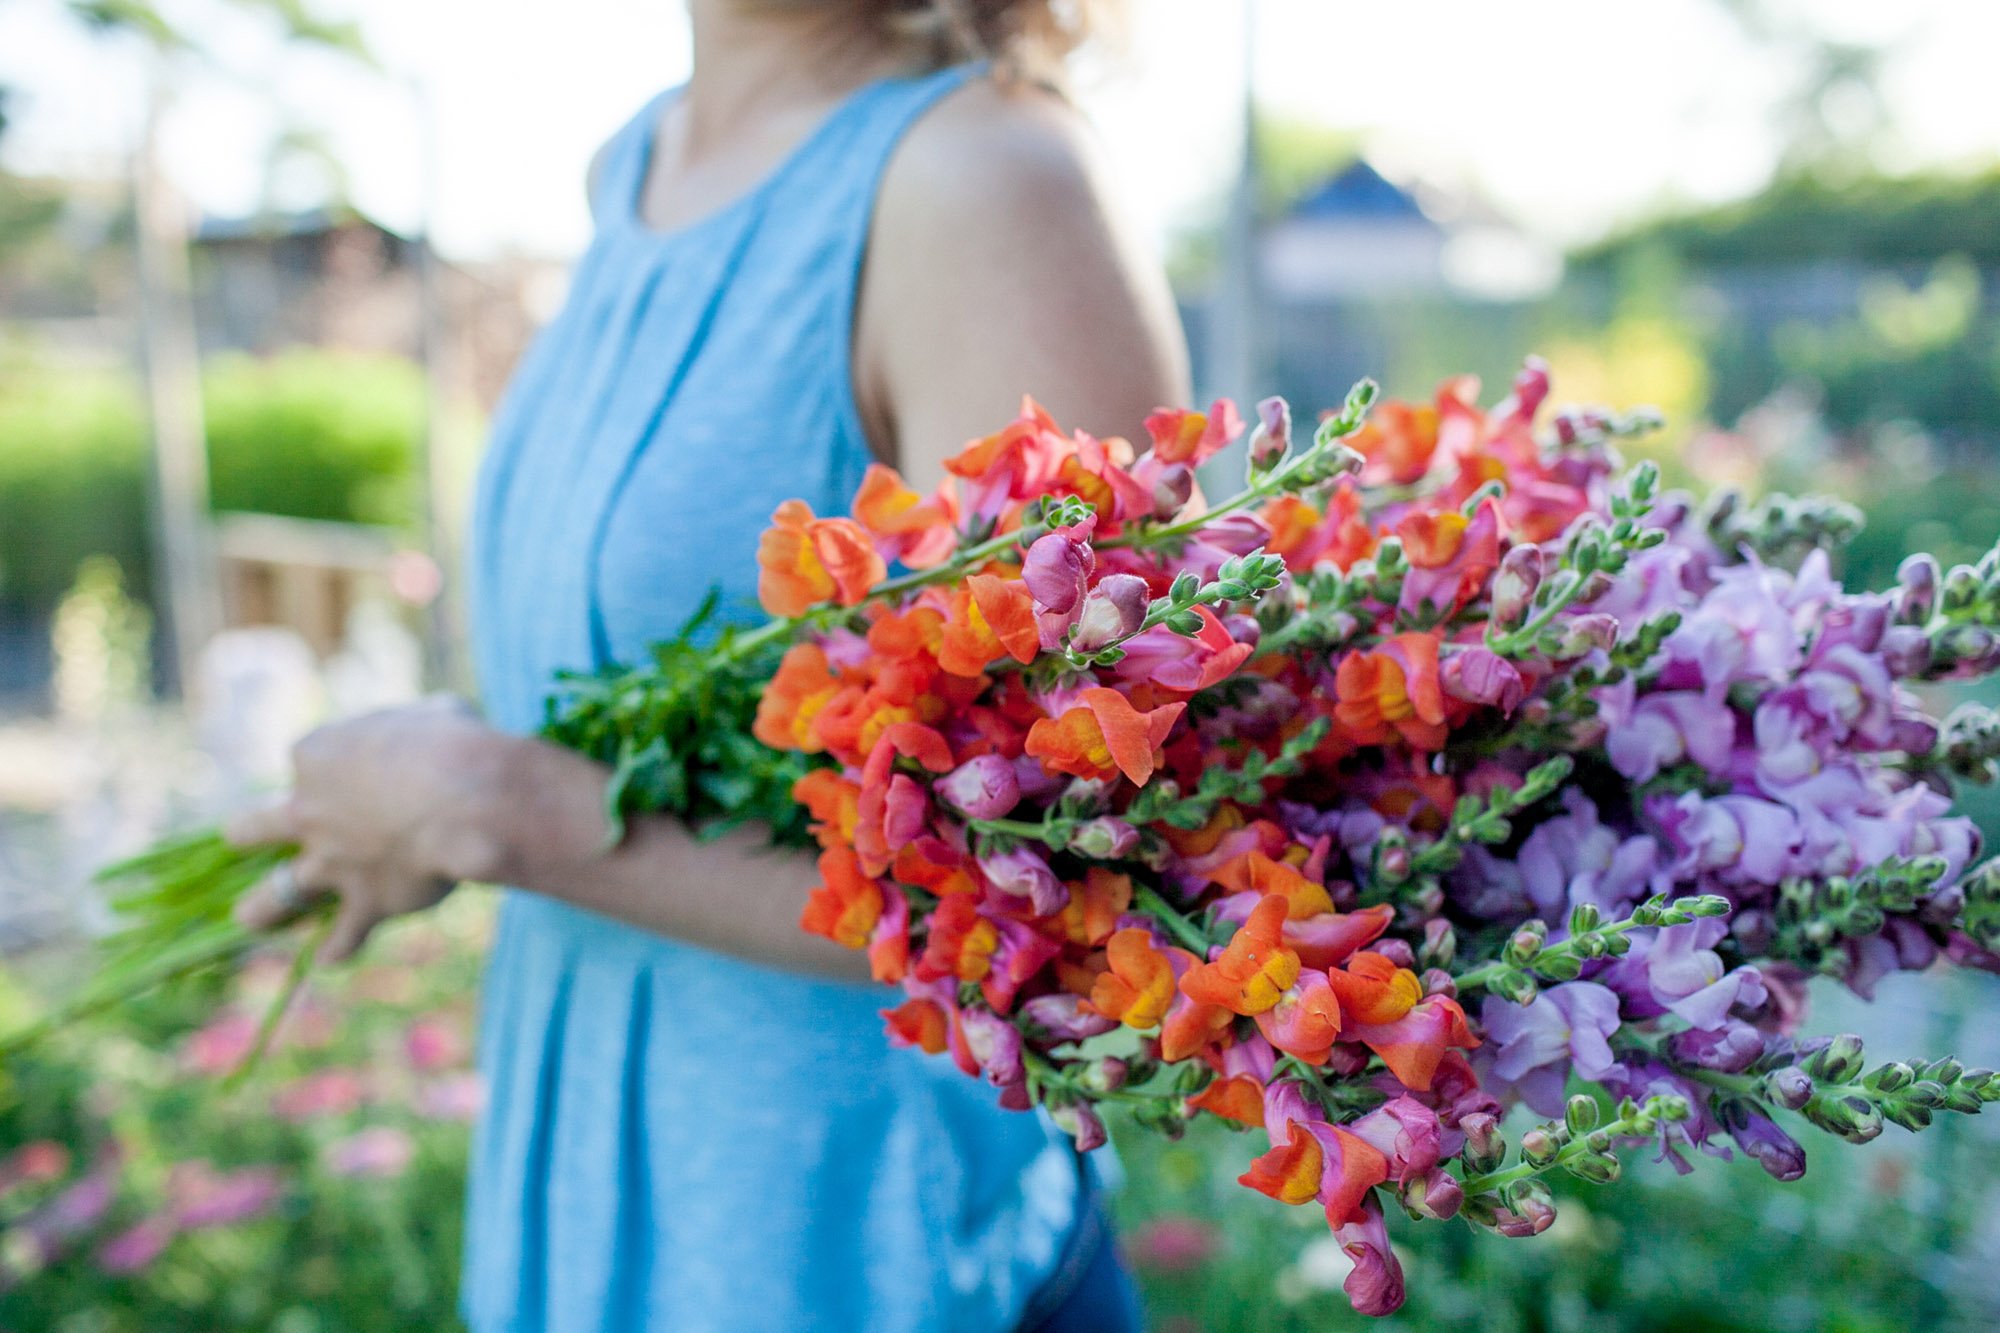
{"points": [[737, 894]]}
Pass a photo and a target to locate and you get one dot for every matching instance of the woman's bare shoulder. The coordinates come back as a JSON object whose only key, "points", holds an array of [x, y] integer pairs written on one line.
{"points": [[993, 146], [998, 263]]}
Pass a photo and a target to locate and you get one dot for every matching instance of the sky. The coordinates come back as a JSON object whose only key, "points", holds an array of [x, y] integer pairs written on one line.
{"points": [[1566, 116]]}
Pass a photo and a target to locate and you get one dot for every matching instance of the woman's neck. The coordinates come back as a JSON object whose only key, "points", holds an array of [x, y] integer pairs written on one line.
{"points": [[751, 61]]}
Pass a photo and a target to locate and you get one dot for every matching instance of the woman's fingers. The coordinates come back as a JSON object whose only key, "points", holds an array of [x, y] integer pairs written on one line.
{"points": [[275, 821], [279, 897], [351, 927]]}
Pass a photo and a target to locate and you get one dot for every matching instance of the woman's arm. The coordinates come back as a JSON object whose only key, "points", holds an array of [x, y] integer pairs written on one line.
{"points": [[393, 809], [993, 269]]}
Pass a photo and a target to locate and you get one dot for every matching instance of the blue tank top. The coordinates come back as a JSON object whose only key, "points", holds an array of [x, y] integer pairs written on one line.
{"points": [[676, 1140]]}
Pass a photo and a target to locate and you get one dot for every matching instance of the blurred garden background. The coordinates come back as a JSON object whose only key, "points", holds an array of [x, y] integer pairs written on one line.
{"points": [[265, 265]]}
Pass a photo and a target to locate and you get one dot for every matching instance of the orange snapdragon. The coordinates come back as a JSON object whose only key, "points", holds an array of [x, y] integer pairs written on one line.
{"points": [[846, 904], [1291, 1172], [1139, 984], [1193, 437], [1237, 1097], [1254, 968], [916, 530], [989, 618], [803, 560], [1394, 691], [1102, 736]]}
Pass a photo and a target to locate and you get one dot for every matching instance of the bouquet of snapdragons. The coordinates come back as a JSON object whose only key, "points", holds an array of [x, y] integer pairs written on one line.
{"points": [[1446, 766]]}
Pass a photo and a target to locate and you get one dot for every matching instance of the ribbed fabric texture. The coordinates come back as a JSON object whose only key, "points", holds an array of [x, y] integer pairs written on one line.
{"points": [[675, 1140]]}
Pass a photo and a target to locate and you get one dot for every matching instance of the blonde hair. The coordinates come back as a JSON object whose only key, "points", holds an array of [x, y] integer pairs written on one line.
{"points": [[1025, 39]]}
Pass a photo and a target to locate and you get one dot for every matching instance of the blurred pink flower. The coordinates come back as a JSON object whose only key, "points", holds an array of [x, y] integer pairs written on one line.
{"points": [[1173, 1244], [34, 1163], [432, 1043], [136, 1247], [222, 1045], [200, 1196], [454, 1097], [379, 1150], [327, 1092]]}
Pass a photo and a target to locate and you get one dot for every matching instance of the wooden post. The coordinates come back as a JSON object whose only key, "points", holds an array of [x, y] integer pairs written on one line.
{"points": [[184, 576]]}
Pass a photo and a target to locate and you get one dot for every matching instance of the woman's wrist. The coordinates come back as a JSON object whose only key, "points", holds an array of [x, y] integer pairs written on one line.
{"points": [[544, 811], [470, 833]]}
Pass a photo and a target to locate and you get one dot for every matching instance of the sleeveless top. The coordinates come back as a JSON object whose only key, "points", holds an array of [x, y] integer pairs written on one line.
{"points": [[674, 1139]]}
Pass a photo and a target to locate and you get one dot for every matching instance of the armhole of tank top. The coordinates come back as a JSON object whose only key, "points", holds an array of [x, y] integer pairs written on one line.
{"points": [[853, 425], [613, 178]]}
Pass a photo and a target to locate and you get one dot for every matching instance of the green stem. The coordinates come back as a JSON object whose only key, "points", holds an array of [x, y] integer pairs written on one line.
{"points": [[1148, 899], [1577, 1147], [1271, 484], [1018, 828], [1514, 641]]}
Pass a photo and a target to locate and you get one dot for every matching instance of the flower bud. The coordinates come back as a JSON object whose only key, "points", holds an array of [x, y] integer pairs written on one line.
{"points": [[1481, 676], [1595, 632], [1916, 589], [1906, 651], [1172, 489], [1839, 1061], [1514, 985], [1539, 1147], [1113, 610], [1022, 873], [1392, 858], [1855, 1119], [1063, 1016], [983, 787], [1598, 1168], [1526, 943], [1595, 586], [1396, 951], [1531, 389], [1484, 1145], [1435, 1194], [1057, 571], [1106, 1075], [1081, 1123], [1758, 1136], [1514, 585], [995, 1044], [1440, 944], [1271, 440], [1104, 839], [1238, 533], [1532, 1214], [1960, 589]]}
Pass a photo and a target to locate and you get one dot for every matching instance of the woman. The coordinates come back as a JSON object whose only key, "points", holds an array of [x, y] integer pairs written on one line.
{"points": [[694, 1120]]}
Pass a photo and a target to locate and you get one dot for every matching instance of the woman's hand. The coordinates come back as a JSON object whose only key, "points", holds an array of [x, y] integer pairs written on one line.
{"points": [[390, 811]]}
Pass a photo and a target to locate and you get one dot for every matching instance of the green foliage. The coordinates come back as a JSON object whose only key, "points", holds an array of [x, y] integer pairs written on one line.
{"points": [[28, 208], [677, 735], [314, 435], [307, 434], [1804, 218], [339, 1252], [1852, 1246], [72, 478]]}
